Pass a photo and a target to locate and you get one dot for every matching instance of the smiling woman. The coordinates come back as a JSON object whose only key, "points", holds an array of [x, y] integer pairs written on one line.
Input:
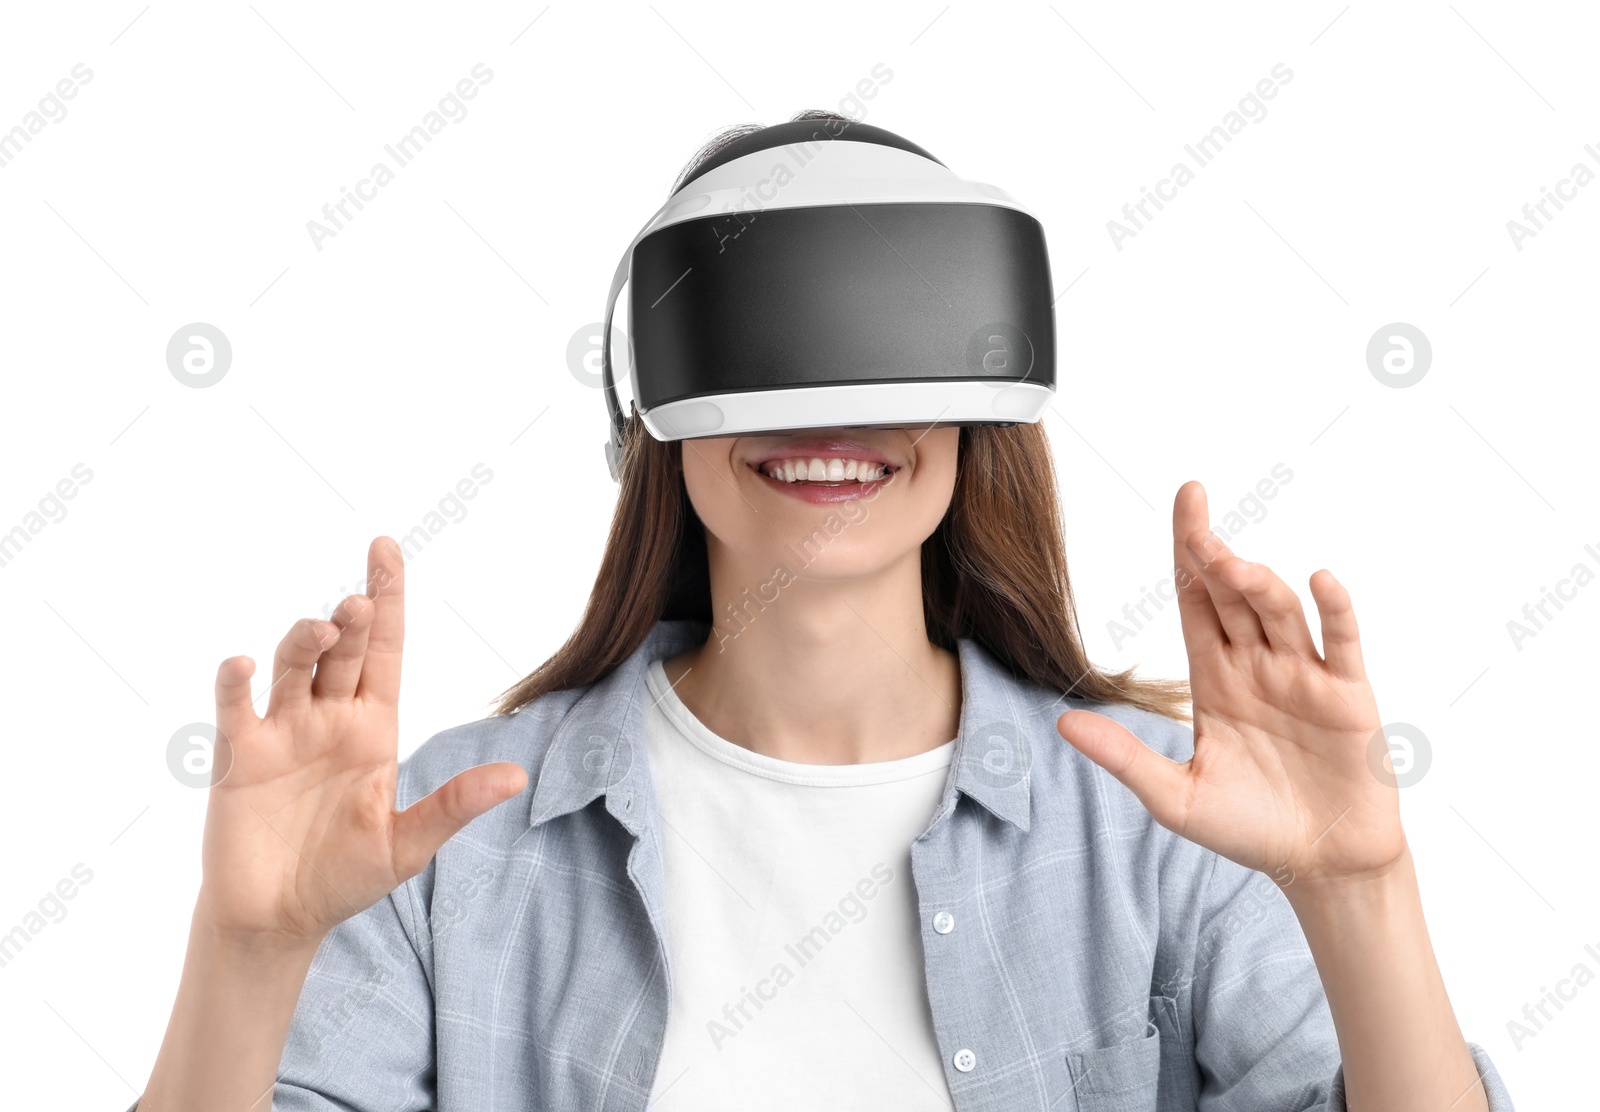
{"points": [[1079, 903], [993, 566]]}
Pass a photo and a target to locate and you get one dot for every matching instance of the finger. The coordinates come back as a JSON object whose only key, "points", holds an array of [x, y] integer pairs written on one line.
{"points": [[380, 670], [1162, 785], [291, 665], [1238, 617], [340, 667], [1277, 607], [236, 712], [428, 823], [1341, 640], [1202, 629]]}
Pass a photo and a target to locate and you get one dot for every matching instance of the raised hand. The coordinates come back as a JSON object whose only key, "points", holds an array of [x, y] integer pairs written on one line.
{"points": [[1280, 779], [301, 830]]}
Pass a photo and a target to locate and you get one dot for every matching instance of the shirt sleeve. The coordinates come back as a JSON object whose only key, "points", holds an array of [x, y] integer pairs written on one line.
{"points": [[361, 1039], [1263, 1033], [362, 1035]]}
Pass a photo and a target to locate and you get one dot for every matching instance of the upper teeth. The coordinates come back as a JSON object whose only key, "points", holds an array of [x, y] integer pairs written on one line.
{"points": [[822, 470]]}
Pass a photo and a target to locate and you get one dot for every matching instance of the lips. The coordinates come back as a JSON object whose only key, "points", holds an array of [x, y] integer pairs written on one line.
{"points": [[783, 457], [823, 448], [822, 493]]}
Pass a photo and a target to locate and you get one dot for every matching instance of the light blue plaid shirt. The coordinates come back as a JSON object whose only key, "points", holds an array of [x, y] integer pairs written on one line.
{"points": [[1096, 962]]}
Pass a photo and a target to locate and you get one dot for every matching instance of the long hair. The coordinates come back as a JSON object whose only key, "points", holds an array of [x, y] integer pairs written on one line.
{"points": [[995, 569]]}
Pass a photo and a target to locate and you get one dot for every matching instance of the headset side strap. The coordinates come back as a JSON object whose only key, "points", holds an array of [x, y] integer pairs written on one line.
{"points": [[608, 384], [618, 422]]}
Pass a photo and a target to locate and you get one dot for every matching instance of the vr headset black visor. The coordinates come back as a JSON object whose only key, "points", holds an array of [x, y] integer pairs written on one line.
{"points": [[805, 279]]}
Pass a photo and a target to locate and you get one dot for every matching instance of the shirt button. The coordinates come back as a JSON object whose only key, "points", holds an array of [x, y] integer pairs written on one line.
{"points": [[944, 922], [965, 1060]]}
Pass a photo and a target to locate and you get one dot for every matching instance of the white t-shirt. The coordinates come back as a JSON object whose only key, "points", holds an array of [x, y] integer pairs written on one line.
{"points": [[797, 975]]}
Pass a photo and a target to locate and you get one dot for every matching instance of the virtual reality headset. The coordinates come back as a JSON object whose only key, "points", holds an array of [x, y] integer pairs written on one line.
{"points": [[822, 273]]}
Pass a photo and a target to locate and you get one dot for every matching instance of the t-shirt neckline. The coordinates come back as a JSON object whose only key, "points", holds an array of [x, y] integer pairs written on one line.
{"points": [[719, 748]]}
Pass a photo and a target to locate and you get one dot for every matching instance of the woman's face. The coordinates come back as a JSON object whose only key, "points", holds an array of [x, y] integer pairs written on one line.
{"points": [[782, 500]]}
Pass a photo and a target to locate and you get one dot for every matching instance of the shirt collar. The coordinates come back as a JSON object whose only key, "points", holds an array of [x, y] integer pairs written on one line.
{"points": [[994, 750], [600, 748]]}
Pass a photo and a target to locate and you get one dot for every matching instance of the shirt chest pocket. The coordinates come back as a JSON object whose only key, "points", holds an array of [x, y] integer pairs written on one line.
{"points": [[1118, 1078]]}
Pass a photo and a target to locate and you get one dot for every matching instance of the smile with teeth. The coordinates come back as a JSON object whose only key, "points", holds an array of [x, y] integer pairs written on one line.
{"points": [[816, 470]]}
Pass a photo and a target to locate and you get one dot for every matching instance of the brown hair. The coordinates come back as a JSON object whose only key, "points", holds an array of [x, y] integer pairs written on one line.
{"points": [[995, 569]]}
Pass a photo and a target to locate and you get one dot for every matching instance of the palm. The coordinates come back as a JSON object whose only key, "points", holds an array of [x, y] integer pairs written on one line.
{"points": [[1280, 779], [304, 822], [301, 830]]}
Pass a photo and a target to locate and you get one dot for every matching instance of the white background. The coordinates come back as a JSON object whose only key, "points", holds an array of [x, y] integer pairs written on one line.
{"points": [[370, 376]]}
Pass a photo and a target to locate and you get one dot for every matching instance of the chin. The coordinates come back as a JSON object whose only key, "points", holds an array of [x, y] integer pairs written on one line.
{"points": [[837, 561]]}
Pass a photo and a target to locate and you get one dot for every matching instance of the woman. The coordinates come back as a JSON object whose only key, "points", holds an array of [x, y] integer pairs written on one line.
{"points": [[787, 823]]}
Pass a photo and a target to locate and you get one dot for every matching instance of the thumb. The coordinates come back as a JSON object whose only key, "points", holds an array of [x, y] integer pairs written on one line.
{"points": [[431, 821], [1161, 784]]}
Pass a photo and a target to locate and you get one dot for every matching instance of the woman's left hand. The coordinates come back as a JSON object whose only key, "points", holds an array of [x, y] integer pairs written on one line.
{"points": [[1280, 780]]}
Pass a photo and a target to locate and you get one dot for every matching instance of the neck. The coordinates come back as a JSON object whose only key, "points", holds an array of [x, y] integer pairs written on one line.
{"points": [[820, 671]]}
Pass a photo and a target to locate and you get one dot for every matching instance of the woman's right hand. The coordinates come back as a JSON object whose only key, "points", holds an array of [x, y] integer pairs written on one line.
{"points": [[301, 831]]}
